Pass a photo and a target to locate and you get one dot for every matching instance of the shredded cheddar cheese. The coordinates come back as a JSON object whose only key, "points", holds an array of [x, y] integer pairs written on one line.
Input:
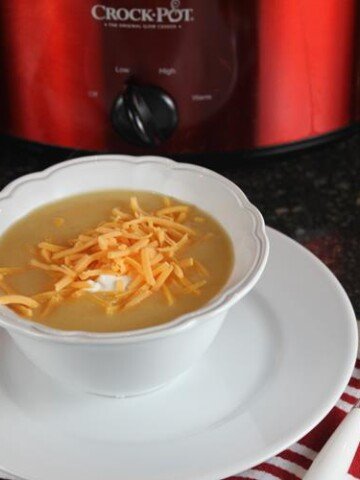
{"points": [[170, 210], [186, 262], [168, 295], [181, 217], [24, 311], [146, 266], [144, 246], [18, 300], [9, 270]]}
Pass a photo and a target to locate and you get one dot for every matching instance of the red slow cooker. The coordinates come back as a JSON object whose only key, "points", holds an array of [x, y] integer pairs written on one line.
{"points": [[175, 76]]}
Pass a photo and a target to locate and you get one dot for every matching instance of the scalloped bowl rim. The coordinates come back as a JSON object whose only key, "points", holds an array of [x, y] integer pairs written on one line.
{"points": [[223, 301]]}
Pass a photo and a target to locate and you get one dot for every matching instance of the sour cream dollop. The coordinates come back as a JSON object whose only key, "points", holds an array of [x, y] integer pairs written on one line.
{"points": [[107, 283]]}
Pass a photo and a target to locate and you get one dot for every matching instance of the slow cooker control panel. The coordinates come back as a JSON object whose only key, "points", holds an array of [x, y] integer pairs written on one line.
{"points": [[144, 115]]}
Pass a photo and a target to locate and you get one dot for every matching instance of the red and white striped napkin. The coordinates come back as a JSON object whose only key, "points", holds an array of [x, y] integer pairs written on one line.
{"points": [[293, 463]]}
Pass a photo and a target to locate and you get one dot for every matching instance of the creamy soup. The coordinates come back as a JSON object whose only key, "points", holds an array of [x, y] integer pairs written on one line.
{"points": [[113, 261]]}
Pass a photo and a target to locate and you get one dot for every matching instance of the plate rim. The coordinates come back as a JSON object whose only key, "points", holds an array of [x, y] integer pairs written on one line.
{"points": [[323, 411]]}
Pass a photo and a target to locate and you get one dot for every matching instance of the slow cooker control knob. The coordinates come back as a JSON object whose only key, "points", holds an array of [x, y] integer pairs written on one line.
{"points": [[144, 115]]}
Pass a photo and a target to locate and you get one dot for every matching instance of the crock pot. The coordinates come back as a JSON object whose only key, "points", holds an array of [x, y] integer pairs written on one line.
{"points": [[174, 76]]}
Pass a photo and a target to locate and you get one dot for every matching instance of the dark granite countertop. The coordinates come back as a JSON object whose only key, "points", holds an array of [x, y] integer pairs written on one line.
{"points": [[313, 196]]}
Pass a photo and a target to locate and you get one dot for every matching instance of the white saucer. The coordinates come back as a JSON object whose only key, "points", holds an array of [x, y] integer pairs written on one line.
{"points": [[280, 363]]}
